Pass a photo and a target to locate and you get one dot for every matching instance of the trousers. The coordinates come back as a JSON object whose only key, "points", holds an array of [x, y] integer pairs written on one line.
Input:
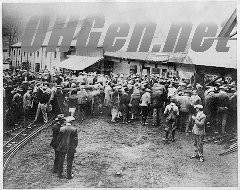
{"points": [[222, 120], [157, 115], [125, 113], [114, 112], [82, 110], [198, 143], [70, 157], [184, 121], [145, 111], [56, 160], [42, 108], [26, 111]]}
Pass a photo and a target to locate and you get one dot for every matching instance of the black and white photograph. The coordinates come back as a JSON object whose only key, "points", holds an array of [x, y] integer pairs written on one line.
{"points": [[119, 94]]}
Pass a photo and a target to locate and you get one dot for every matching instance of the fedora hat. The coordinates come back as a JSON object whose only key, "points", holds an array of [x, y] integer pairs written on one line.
{"points": [[60, 117]]}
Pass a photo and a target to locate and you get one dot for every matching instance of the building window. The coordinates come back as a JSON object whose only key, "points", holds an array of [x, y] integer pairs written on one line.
{"points": [[46, 54], [19, 52], [30, 54], [24, 54], [133, 69], [55, 54], [155, 71], [164, 73], [37, 53], [14, 52], [37, 67]]}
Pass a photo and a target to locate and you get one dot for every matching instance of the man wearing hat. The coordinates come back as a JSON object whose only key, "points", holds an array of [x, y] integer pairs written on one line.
{"points": [[200, 92], [171, 112], [27, 104], [54, 143], [195, 99], [184, 108], [198, 131], [82, 102], [53, 100], [145, 102], [24, 86], [223, 104], [134, 103], [115, 99], [43, 96], [158, 98], [17, 104], [124, 104], [68, 141]]}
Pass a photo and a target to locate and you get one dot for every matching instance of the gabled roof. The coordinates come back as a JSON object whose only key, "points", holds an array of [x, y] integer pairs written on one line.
{"points": [[47, 38]]}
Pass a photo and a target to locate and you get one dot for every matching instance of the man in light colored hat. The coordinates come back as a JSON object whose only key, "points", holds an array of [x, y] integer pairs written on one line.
{"points": [[198, 131]]}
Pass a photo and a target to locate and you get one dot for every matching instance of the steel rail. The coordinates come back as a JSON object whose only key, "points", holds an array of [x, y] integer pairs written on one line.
{"points": [[11, 152], [17, 135]]}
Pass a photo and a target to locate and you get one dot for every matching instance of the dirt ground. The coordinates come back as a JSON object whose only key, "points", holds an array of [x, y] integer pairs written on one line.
{"points": [[136, 151]]}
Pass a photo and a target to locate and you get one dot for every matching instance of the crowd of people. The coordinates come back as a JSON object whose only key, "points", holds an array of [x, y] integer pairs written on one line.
{"points": [[170, 104]]}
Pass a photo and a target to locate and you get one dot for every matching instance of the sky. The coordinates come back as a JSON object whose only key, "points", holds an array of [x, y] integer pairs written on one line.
{"points": [[162, 13]]}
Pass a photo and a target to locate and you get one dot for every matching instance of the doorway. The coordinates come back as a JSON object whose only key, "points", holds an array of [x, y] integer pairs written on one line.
{"points": [[37, 67]]}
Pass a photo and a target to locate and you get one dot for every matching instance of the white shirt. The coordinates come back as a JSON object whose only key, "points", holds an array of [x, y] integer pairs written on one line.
{"points": [[171, 91], [146, 99]]}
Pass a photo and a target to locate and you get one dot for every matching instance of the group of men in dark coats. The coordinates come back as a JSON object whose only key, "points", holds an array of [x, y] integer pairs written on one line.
{"points": [[64, 143]]}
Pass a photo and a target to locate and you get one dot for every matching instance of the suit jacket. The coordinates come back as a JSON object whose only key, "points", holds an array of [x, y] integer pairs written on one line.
{"points": [[55, 132], [199, 123], [68, 139], [184, 103]]}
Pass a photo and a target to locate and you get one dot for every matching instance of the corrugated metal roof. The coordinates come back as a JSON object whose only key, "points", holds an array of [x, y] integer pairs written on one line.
{"points": [[128, 55], [158, 57], [79, 62], [148, 56], [177, 57]]}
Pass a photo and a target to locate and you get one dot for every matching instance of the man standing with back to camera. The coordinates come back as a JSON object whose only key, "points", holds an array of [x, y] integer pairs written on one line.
{"points": [[68, 141], [60, 120]]}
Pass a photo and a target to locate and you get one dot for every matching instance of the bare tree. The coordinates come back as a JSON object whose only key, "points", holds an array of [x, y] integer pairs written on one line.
{"points": [[11, 29]]}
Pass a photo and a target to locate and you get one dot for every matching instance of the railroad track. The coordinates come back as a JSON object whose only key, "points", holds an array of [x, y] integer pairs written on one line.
{"points": [[19, 140], [16, 127]]}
